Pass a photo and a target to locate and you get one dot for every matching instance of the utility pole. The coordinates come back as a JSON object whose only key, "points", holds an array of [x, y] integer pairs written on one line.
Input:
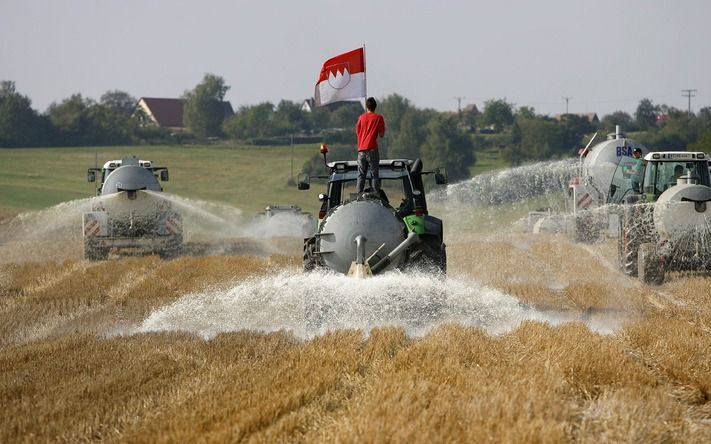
{"points": [[688, 93], [459, 103], [566, 103]]}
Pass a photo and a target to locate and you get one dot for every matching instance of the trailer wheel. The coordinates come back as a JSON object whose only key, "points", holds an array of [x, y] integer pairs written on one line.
{"points": [[433, 255], [310, 257], [649, 270], [628, 246]]}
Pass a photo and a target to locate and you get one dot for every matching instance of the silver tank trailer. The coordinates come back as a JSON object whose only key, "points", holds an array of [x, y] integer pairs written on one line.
{"points": [[130, 177], [597, 169], [599, 165], [381, 229], [128, 217]]}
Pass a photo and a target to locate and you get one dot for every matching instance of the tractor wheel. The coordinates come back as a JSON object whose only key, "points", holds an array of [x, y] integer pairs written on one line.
{"points": [[628, 244], [434, 255], [650, 272], [310, 257], [443, 263]]}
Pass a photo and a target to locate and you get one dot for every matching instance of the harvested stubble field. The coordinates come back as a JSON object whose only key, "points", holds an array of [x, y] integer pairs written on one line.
{"points": [[609, 360]]}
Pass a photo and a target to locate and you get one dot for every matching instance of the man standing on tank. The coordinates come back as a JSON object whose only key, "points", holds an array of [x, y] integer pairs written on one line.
{"points": [[370, 126]]}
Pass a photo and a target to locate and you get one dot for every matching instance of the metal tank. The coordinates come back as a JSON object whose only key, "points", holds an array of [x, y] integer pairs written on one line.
{"points": [[599, 163], [681, 209], [129, 217], [596, 184], [130, 177], [381, 231]]}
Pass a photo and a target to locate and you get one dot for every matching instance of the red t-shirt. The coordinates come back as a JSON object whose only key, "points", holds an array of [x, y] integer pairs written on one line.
{"points": [[369, 127]]}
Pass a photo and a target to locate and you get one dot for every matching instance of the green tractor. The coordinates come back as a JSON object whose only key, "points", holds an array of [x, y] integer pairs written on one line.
{"points": [[665, 222], [367, 233]]}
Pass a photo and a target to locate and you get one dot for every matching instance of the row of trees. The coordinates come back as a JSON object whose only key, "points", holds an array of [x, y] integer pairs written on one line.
{"points": [[439, 138]]}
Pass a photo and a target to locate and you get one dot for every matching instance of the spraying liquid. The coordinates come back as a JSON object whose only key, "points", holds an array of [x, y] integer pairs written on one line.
{"points": [[494, 201], [309, 304], [55, 233]]}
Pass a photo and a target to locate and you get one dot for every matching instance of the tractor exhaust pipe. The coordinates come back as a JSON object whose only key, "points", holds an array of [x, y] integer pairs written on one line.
{"points": [[412, 239]]}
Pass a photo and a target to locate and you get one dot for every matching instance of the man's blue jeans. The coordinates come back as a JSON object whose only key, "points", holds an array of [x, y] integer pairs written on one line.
{"points": [[368, 159]]}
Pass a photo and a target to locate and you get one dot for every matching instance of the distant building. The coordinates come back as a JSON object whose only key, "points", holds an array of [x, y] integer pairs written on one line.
{"points": [[168, 113], [662, 119], [308, 105], [471, 108], [590, 117]]}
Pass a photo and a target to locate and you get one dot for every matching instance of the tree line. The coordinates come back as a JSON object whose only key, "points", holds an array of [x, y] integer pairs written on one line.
{"points": [[518, 134]]}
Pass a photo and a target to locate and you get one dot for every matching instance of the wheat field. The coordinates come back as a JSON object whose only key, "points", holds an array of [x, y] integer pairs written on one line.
{"points": [[629, 363]]}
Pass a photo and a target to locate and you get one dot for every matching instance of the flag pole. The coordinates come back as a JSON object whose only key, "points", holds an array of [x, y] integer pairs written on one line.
{"points": [[365, 77]]}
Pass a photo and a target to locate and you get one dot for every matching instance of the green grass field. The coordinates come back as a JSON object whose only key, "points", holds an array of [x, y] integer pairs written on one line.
{"points": [[248, 178]]}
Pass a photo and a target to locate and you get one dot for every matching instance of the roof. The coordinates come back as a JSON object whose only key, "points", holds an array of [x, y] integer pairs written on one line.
{"points": [[168, 113], [675, 156], [386, 163]]}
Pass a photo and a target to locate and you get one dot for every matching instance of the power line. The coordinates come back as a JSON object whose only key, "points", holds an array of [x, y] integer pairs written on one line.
{"points": [[688, 93]]}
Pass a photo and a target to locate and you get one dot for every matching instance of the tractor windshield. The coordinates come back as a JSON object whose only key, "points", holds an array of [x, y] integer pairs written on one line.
{"points": [[392, 187], [394, 184], [662, 175]]}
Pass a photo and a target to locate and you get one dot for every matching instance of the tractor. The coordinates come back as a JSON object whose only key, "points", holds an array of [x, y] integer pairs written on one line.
{"points": [[665, 223], [368, 233], [128, 216]]}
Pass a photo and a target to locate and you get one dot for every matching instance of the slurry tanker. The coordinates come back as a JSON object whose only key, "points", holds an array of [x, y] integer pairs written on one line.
{"points": [[594, 184], [128, 217], [665, 225], [289, 214], [661, 216], [360, 234]]}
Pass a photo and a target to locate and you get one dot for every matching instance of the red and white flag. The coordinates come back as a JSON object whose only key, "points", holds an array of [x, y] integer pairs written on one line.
{"points": [[342, 78]]}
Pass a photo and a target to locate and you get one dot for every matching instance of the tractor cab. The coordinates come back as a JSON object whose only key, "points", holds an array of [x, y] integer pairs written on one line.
{"points": [[112, 165], [401, 185], [661, 170], [667, 169]]}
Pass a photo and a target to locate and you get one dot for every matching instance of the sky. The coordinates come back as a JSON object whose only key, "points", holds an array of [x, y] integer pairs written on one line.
{"points": [[603, 55]]}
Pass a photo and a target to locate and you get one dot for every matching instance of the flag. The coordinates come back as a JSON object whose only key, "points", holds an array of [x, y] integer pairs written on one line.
{"points": [[341, 78]]}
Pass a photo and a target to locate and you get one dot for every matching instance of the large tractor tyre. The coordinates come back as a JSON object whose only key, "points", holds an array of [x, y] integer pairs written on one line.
{"points": [[628, 251], [310, 257], [628, 243], [94, 253], [443, 255], [649, 270]]}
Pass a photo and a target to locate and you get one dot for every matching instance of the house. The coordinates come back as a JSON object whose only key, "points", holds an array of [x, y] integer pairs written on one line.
{"points": [[308, 105], [471, 108], [168, 113], [590, 117]]}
